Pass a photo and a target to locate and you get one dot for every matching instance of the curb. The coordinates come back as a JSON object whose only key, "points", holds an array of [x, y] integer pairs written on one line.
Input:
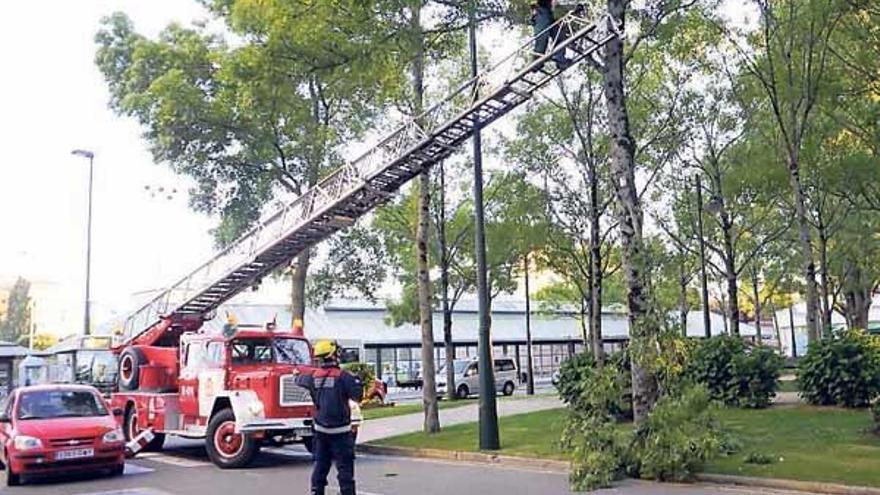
{"points": [[563, 467], [780, 484], [472, 457]]}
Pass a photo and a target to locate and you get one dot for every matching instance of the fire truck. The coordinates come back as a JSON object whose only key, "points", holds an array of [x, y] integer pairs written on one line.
{"points": [[236, 390]]}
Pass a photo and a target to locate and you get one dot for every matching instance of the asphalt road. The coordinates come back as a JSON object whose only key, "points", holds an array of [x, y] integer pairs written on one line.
{"points": [[184, 470]]}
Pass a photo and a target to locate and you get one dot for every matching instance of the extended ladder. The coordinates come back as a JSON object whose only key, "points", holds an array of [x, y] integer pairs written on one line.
{"points": [[371, 179]]}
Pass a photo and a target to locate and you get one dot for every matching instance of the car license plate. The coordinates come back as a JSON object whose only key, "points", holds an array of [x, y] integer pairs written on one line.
{"points": [[65, 455]]}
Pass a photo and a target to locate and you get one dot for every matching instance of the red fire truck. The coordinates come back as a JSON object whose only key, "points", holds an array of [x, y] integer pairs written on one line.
{"points": [[235, 390]]}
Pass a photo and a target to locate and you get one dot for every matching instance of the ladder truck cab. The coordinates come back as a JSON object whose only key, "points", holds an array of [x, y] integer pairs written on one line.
{"points": [[236, 390]]}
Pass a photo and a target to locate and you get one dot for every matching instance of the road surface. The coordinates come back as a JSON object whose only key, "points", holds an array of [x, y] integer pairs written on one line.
{"points": [[184, 470]]}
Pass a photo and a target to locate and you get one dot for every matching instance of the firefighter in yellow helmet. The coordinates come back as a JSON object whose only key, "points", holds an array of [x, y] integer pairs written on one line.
{"points": [[331, 389]]}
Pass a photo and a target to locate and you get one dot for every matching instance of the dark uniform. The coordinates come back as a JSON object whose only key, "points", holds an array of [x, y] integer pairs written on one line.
{"points": [[331, 389], [542, 20]]}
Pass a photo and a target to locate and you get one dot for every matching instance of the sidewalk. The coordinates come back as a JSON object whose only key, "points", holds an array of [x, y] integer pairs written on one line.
{"points": [[409, 423]]}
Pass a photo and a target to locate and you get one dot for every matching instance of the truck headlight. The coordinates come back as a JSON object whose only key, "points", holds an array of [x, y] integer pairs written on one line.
{"points": [[24, 442], [113, 436]]}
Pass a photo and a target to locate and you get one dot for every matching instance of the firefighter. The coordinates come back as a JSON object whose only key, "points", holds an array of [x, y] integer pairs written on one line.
{"points": [[542, 21], [331, 389]]}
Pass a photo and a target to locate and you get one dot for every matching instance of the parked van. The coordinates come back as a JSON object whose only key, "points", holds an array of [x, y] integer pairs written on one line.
{"points": [[467, 377]]}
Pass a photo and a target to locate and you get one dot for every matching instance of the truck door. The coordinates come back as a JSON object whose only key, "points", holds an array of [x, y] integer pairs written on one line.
{"points": [[190, 355]]}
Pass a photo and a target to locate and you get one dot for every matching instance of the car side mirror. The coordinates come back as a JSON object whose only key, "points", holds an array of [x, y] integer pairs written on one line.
{"points": [[117, 411]]}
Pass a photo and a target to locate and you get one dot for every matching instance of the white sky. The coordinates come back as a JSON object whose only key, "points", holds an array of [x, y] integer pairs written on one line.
{"points": [[52, 100]]}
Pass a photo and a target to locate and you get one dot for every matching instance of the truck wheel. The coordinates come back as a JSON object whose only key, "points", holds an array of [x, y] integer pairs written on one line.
{"points": [[130, 362], [508, 388], [226, 448], [463, 392], [132, 430], [308, 443]]}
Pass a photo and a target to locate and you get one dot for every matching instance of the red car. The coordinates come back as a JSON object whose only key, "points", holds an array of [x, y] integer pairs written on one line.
{"points": [[58, 429]]}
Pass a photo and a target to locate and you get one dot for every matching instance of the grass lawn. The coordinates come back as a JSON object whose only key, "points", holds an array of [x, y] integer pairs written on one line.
{"points": [[814, 444], [532, 435], [788, 386]]}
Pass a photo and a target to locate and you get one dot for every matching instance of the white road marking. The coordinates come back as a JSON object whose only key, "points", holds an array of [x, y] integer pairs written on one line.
{"points": [[176, 461], [133, 469]]}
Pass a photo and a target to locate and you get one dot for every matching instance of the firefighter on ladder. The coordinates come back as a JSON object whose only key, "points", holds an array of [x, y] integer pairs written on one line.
{"points": [[331, 389]]}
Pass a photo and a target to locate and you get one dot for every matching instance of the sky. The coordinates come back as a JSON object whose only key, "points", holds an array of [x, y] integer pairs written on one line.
{"points": [[52, 100]]}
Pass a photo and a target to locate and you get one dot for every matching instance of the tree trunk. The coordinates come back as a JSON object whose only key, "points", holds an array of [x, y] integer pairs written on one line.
{"points": [[858, 297], [729, 261], [682, 297], [298, 288], [643, 328], [595, 268], [444, 290], [429, 389], [757, 294], [530, 379], [807, 263], [824, 287], [793, 334]]}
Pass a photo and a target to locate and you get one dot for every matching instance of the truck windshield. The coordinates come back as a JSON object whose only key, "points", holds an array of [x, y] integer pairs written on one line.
{"points": [[48, 404], [292, 351]]}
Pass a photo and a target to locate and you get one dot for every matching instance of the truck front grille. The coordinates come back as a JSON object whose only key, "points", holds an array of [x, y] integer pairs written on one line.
{"points": [[292, 394]]}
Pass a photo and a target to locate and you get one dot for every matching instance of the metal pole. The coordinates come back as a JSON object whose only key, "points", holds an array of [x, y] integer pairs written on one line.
{"points": [[707, 322], [87, 317], [530, 383], [488, 408]]}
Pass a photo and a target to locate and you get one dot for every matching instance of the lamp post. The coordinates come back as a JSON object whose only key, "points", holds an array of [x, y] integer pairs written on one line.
{"points": [[488, 406], [87, 316]]}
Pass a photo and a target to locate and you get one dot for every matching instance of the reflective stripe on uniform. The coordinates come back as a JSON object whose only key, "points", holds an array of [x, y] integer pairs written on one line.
{"points": [[334, 430]]}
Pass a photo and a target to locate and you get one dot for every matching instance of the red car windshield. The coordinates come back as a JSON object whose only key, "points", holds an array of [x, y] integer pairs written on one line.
{"points": [[49, 404]]}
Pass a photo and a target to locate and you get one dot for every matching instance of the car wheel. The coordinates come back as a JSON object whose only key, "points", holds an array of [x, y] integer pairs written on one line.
{"points": [[309, 444], [12, 479], [130, 362], [226, 448], [463, 392], [118, 470], [508, 388]]}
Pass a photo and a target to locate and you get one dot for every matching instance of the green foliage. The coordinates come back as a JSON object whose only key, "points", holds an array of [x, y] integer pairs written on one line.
{"points": [[843, 370], [16, 326], [679, 436], [364, 371], [598, 447], [758, 458], [578, 374], [875, 414], [733, 373]]}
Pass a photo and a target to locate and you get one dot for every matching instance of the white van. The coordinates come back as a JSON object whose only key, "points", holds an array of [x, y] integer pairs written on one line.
{"points": [[467, 377]]}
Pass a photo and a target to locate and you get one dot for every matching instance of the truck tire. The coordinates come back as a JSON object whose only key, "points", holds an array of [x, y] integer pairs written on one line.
{"points": [[508, 388], [463, 392], [227, 449], [130, 362], [131, 429]]}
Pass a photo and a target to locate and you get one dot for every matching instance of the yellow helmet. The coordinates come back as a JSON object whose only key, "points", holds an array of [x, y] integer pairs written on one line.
{"points": [[325, 348]]}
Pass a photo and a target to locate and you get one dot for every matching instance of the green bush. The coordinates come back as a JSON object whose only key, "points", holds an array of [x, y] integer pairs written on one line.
{"points": [[678, 437], [364, 371], [758, 458], [591, 433], [577, 373], [843, 370], [734, 373]]}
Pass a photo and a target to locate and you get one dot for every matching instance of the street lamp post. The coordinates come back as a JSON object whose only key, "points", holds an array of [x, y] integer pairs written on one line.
{"points": [[87, 316], [488, 406]]}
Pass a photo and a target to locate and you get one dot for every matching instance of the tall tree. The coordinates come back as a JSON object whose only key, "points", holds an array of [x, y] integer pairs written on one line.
{"points": [[16, 326], [256, 119], [788, 63]]}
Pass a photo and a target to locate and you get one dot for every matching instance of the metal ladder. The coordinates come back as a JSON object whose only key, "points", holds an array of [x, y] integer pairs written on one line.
{"points": [[370, 180]]}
